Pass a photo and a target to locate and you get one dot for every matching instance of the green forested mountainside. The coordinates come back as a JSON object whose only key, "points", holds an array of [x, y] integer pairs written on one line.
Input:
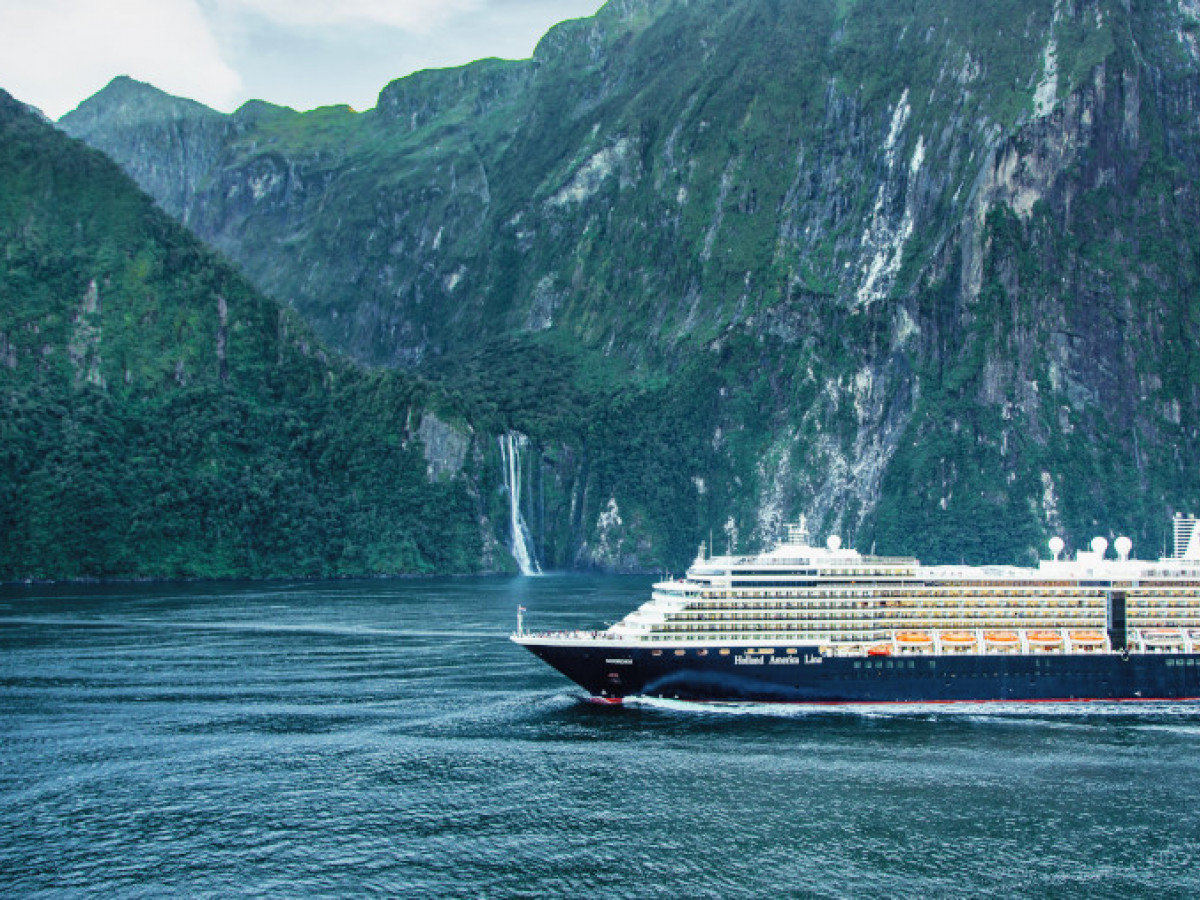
{"points": [[925, 273], [650, 177], [160, 418]]}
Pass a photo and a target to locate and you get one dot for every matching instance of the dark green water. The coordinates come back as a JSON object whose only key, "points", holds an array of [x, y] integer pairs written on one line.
{"points": [[384, 737]]}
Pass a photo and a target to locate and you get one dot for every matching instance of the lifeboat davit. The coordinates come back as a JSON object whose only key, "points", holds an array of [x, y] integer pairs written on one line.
{"points": [[1044, 637]]}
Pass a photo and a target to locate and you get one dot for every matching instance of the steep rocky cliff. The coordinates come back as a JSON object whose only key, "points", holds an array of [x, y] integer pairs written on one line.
{"points": [[923, 272]]}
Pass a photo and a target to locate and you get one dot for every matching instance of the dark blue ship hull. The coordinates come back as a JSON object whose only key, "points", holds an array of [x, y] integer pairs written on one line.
{"points": [[804, 676]]}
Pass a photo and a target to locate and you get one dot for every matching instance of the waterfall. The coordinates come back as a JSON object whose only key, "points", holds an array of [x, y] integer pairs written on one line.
{"points": [[510, 460]]}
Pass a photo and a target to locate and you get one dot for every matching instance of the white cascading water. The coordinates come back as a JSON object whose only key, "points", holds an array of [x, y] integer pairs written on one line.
{"points": [[510, 459]]}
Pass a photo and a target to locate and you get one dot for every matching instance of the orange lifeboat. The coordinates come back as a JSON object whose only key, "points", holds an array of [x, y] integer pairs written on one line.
{"points": [[1044, 637], [914, 638], [880, 650], [1086, 637], [958, 638], [1002, 638]]}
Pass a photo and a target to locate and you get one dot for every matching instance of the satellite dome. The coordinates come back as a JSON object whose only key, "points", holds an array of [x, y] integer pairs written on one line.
{"points": [[1123, 545], [1056, 545], [1100, 545], [834, 543]]}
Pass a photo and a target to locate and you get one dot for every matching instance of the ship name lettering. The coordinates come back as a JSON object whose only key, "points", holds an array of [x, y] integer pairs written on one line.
{"points": [[810, 660], [785, 660], [749, 660], [619, 662]]}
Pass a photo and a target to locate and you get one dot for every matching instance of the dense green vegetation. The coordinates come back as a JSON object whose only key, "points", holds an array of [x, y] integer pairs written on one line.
{"points": [[596, 433], [159, 417]]}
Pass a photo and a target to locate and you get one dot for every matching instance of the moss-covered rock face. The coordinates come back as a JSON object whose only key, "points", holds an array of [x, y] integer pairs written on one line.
{"points": [[923, 272]]}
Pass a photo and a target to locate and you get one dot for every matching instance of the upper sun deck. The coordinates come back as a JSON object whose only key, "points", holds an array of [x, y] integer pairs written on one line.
{"points": [[794, 557], [750, 569]]}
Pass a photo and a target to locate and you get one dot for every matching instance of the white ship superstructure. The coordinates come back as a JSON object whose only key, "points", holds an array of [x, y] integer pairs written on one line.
{"points": [[851, 604]]}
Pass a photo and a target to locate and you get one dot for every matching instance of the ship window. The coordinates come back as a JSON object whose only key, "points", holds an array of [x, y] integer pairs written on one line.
{"points": [[656, 652], [724, 651], [858, 664]]}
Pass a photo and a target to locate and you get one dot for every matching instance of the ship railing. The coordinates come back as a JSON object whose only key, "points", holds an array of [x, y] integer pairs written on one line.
{"points": [[572, 635]]}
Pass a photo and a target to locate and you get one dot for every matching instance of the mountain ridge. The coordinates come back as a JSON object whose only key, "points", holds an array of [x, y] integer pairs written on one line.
{"points": [[927, 270], [161, 418]]}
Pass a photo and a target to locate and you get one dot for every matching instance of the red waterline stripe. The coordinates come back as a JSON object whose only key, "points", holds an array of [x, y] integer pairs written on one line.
{"points": [[616, 700]]}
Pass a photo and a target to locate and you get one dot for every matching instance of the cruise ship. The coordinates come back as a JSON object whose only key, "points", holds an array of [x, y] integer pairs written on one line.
{"points": [[825, 624]]}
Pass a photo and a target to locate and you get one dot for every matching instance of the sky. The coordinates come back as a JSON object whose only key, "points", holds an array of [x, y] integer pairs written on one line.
{"points": [[300, 53]]}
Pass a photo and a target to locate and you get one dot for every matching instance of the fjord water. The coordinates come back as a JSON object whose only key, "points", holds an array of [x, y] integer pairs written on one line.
{"points": [[383, 736]]}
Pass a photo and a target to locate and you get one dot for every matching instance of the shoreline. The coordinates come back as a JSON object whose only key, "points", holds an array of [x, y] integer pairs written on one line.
{"points": [[119, 580]]}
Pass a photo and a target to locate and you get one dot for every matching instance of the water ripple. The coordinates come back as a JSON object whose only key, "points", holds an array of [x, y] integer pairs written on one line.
{"points": [[386, 738]]}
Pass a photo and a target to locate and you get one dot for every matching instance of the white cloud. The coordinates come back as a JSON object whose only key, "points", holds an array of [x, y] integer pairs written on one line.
{"points": [[417, 16], [53, 53]]}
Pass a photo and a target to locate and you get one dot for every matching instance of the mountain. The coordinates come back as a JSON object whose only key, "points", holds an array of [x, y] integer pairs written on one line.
{"points": [[159, 417], [925, 273]]}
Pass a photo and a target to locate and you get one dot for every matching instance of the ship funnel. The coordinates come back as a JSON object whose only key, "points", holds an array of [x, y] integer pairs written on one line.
{"points": [[1123, 545]]}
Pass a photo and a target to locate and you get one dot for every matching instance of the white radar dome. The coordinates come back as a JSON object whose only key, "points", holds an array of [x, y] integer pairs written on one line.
{"points": [[1056, 546], [833, 542], [1123, 545], [1100, 545]]}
